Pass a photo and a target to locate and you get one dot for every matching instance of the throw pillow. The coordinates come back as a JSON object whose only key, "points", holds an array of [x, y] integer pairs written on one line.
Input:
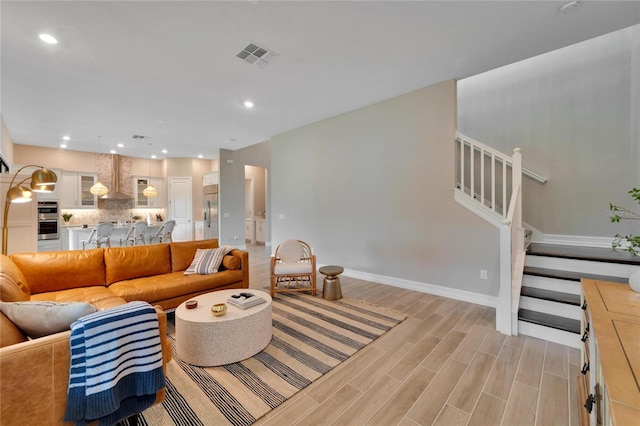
{"points": [[39, 319], [207, 261]]}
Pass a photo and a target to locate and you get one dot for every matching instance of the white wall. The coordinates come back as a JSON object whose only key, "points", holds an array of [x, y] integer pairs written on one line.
{"points": [[575, 114], [372, 190]]}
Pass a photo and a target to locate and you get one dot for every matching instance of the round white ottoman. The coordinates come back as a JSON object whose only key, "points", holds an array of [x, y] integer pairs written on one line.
{"points": [[205, 340]]}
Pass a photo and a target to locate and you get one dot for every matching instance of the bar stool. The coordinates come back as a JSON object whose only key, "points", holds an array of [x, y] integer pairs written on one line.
{"points": [[100, 234]]}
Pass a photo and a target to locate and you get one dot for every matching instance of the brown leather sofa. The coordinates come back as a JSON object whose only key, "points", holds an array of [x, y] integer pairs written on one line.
{"points": [[34, 373]]}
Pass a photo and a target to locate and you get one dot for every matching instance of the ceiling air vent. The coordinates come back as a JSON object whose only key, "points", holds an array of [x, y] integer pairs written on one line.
{"points": [[140, 137], [257, 55]]}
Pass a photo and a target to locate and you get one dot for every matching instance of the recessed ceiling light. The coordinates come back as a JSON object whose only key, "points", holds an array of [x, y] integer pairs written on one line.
{"points": [[153, 156], [63, 145], [248, 104], [164, 151], [200, 156], [120, 145], [49, 39], [113, 151], [66, 138]]}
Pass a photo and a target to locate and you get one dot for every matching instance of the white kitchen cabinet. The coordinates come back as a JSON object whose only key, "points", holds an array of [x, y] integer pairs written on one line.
{"points": [[260, 234], [49, 245], [141, 200], [198, 230], [76, 190], [64, 237], [248, 230], [210, 179]]}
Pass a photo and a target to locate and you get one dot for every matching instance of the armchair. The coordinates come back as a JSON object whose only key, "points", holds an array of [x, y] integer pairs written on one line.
{"points": [[293, 268]]}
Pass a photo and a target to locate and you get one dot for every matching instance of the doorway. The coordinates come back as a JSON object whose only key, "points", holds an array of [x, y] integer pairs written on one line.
{"points": [[181, 208], [255, 208]]}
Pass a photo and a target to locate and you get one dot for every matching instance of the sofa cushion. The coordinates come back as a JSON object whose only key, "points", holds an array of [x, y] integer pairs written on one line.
{"points": [[98, 296], [39, 319], [60, 270], [167, 286], [231, 263], [126, 263], [207, 261], [13, 286], [10, 334], [182, 253]]}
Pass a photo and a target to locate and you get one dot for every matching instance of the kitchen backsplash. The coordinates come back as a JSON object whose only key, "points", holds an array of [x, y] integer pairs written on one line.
{"points": [[94, 216]]}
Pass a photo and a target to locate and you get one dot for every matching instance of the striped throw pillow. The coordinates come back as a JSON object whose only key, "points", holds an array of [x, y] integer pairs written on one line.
{"points": [[207, 261]]}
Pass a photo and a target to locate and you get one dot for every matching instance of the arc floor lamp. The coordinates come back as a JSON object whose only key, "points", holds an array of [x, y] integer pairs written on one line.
{"points": [[42, 180]]}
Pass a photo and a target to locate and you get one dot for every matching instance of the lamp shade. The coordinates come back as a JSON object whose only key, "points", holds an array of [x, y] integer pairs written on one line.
{"points": [[19, 194], [43, 176], [42, 188], [98, 189], [150, 191]]}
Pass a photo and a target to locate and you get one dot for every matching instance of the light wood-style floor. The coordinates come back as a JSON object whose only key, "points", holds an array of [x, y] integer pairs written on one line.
{"points": [[444, 365]]}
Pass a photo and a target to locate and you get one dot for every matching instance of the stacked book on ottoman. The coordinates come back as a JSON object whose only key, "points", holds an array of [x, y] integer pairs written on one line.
{"points": [[245, 300]]}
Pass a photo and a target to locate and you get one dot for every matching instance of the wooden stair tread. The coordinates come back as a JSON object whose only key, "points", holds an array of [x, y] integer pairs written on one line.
{"points": [[550, 295], [548, 320], [597, 254], [570, 275]]}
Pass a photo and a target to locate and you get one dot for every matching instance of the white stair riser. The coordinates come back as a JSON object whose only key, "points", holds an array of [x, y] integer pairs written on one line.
{"points": [[550, 334], [548, 307], [585, 266], [554, 284]]}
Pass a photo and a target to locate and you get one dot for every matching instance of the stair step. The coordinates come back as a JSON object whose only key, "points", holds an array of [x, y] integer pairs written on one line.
{"points": [[549, 334], [548, 320], [549, 307], [551, 295], [596, 254], [571, 275], [555, 284]]}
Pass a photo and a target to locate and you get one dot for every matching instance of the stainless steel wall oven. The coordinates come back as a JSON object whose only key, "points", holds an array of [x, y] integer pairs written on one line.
{"points": [[48, 220]]}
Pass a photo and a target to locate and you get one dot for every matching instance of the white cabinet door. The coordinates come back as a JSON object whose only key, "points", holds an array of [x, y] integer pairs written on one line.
{"points": [[260, 231], [198, 230], [141, 200], [75, 190], [210, 179]]}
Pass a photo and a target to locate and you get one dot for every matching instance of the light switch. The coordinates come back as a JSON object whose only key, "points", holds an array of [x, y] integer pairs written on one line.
{"points": [[281, 216], [226, 215]]}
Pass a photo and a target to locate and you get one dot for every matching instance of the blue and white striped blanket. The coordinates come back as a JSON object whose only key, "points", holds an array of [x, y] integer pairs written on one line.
{"points": [[116, 364]]}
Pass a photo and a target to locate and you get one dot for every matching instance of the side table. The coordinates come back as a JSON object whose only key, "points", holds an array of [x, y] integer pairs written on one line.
{"points": [[331, 286]]}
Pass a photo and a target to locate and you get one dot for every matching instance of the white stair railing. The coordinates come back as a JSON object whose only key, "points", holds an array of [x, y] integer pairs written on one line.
{"points": [[484, 184]]}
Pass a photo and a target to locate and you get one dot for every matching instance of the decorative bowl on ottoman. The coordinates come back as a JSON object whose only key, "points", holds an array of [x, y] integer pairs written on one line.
{"points": [[219, 309]]}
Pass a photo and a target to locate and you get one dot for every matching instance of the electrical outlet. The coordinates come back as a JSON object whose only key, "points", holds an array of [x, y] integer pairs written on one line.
{"points": [[483, 274], [235, 238]]}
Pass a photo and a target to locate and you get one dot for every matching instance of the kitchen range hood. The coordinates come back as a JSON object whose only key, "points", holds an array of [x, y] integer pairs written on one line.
{"points": [[115, 183]]}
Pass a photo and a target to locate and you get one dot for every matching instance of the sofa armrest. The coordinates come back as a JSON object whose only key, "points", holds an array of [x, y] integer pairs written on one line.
{"points": [[34, 377], [244, 265]]}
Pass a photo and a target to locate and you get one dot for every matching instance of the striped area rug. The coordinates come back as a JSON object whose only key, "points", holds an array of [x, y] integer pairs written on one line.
{"points": [[310, 337]]}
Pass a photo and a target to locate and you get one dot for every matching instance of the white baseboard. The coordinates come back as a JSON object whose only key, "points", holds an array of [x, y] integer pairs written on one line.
{"points": [[452, 293]]}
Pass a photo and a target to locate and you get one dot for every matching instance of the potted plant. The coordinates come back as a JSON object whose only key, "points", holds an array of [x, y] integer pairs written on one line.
{"points": [[136, 218], [630, 243], [66, 217]]}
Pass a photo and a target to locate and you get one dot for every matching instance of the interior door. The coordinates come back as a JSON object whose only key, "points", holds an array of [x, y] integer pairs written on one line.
{"points": [[181, 208]]}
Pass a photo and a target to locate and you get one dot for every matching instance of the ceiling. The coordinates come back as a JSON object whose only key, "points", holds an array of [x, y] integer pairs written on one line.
{"points": [[168, 70]]}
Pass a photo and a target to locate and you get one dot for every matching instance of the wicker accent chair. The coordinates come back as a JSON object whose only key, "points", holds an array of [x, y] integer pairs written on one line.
{"points": [[293, 268]]}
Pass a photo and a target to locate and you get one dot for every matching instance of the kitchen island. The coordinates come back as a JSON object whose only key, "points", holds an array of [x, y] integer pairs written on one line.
{"points": [[77, 234]]}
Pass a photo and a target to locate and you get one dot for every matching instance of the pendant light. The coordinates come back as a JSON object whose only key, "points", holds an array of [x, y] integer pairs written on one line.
{"points": [[150, 191], [98, 189]]}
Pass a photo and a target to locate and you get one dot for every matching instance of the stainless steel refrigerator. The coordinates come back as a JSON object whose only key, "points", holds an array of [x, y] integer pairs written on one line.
{"points": [[210, 211]]}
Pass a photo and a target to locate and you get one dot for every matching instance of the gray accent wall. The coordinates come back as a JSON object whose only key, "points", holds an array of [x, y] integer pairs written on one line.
{"points": [[575, 112], [372, 190]]}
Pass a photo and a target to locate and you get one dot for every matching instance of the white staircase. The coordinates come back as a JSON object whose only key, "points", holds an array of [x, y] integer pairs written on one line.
{"points": [[550, 296]]}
